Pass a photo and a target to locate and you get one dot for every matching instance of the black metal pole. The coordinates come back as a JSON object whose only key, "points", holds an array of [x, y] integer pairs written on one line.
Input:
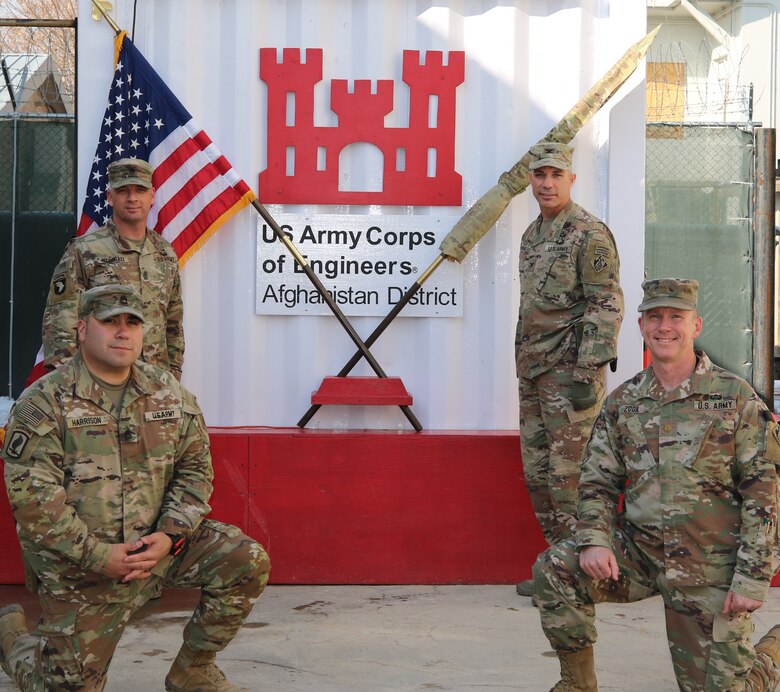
{"points": [[378, 331]]}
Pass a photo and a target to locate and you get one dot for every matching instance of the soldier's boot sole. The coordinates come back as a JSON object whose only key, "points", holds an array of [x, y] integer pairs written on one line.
{"points": [[525, 588], [12, 624]]}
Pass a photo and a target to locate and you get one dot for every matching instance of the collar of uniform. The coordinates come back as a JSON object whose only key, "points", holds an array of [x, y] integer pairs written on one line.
{"points": [[123, 244], [700, 381], [556, 228], [85, 386]]}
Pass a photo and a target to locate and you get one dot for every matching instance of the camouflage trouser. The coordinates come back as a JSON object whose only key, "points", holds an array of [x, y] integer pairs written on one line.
{"points": [[552, 440], [710, 651], [75, 642]]}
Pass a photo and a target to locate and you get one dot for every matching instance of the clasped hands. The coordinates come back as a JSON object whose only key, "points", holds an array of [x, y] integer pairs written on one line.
{"points": [[137, 559]]}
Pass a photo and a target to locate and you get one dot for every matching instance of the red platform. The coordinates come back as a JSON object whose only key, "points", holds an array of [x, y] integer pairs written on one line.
{"points": [[374, 507]]}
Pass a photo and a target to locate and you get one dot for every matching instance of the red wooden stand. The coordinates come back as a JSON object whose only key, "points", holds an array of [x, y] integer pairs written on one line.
{"points": [[371, 391]]}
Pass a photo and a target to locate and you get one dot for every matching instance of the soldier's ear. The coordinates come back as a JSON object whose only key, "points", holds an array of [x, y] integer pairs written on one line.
{"points": [[81, 329]]}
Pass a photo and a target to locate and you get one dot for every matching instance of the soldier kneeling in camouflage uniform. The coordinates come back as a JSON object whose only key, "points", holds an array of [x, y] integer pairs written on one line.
{"points": [[696, 452], [109, 474]]}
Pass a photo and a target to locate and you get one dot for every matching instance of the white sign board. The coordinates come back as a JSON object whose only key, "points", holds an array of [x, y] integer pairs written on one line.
{"points": [[366, 263]]}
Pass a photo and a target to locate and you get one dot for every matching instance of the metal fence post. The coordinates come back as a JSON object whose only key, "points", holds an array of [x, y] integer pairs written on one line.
{"points": [[763, 264]]}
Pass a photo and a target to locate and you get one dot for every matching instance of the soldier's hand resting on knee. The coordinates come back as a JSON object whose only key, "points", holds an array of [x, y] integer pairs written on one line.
{"points": [[598, 562]]}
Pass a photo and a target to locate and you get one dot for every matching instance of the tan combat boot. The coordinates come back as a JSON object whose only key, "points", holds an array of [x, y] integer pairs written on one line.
{"points": [[196, 671], [12, 624], [578, 673], [525, 588], [765, 675], [770, 644]]}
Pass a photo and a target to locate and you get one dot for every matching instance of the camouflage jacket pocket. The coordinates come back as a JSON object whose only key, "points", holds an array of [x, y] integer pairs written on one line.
{"points": [[715, 451], [101, 270], [640, 463], [558, 279], [731, 627]]}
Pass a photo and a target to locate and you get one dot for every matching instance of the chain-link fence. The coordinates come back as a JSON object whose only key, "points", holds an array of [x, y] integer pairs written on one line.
{"points": [[699, 184], [37, 176]]}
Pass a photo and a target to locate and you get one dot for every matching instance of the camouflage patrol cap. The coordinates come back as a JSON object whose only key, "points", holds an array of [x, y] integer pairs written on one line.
{"points": [[129, 172], [669, 293], [552, 154], [109, 300]]}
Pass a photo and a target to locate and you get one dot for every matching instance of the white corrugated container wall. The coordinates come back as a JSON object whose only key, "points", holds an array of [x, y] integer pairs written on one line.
{"points": [[526, 63]]}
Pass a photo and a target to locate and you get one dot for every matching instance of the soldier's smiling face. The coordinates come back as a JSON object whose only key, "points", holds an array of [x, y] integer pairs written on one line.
{"points": [[131, 203], [110, 346], [552, 188], [669, 332]]}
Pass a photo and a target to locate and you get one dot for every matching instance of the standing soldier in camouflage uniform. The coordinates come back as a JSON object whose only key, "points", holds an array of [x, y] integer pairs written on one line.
{"points": [[571, 307], [109, 474], [123, 251], [695, 451]]}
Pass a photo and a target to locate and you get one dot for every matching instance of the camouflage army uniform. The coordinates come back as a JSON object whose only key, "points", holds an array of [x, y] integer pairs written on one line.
{"points": [[106, 257], [698, 468], [80, 479], [571, 308]]}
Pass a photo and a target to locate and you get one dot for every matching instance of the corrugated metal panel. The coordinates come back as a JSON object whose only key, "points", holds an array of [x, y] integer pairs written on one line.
{"points": [[526, 64]]}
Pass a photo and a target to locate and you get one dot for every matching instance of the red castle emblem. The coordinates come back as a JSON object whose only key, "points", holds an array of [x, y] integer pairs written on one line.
{"points": [[418, 161]]}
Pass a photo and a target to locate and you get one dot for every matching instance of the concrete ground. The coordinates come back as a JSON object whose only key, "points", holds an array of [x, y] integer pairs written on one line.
{"points": [[364, 638]]}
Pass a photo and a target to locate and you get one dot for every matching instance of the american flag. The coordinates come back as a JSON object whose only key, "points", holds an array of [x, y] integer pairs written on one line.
{"points": [[197, 189]]}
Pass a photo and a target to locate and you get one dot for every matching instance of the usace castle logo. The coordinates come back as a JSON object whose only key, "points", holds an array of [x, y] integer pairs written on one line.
{"points": [[305, 161]]}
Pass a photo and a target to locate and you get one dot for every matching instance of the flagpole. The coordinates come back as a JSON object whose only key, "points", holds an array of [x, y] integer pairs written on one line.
{"points": [[379, 330], [106, 16], [363, 351]]}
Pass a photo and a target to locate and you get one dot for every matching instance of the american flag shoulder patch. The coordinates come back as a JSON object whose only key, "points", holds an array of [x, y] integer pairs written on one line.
{"points": [[29, 414]]}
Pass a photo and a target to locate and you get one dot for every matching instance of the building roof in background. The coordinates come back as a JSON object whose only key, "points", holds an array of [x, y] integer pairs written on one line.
{"points": [[31, 83]]}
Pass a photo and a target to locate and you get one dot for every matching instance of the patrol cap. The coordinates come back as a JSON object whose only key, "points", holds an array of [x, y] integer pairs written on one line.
{"points": [[129, 172], [552, 154], [669, 293], [109, 300]]}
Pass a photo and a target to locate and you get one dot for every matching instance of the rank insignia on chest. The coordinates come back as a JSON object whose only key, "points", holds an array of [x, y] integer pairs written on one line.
{"points": [[715, 403]]}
